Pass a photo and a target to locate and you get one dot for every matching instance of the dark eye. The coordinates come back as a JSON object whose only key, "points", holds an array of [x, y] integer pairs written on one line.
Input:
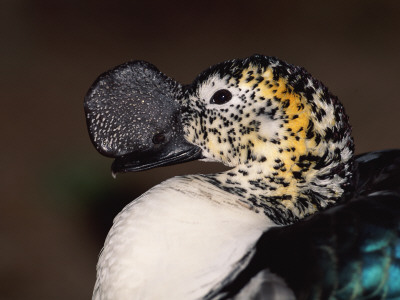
{"points": [[221, 97], [159, 138]]}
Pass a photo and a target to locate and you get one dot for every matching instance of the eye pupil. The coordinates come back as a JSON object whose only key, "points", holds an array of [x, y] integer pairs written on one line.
{"points": [[221, 97], [159, 138]]}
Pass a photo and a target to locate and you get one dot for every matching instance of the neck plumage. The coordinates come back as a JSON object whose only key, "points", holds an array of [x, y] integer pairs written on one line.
{"points": [[286, 192]]}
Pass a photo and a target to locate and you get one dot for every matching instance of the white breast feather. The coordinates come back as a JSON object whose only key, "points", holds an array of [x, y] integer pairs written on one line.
{"points": [[176, 241]]}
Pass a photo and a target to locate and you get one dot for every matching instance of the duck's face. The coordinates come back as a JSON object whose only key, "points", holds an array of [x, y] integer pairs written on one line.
{"points": [[258, 113]]}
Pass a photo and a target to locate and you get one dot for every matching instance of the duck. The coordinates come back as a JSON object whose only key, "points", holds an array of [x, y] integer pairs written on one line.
{"points": [[296, 216]]}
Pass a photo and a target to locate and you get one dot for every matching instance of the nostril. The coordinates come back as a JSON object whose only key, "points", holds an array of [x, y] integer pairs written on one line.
{"points": [[159, 138]]}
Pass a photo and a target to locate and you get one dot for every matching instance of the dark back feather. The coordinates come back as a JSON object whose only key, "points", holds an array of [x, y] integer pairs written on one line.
{"points": [[351, 251]]}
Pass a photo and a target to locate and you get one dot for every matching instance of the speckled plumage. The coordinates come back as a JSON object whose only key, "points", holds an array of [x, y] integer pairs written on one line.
{"points": [[287, 137]]}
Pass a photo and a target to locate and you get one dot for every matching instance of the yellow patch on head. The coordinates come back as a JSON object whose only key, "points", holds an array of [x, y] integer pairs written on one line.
{"points": [[295, 114], [292, 104]]}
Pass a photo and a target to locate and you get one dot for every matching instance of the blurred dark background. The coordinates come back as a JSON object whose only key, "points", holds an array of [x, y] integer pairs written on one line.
{"points": [[58, 196]]}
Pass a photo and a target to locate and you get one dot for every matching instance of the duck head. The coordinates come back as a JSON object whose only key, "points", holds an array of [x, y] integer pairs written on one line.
{"points": [[286, 137]]}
